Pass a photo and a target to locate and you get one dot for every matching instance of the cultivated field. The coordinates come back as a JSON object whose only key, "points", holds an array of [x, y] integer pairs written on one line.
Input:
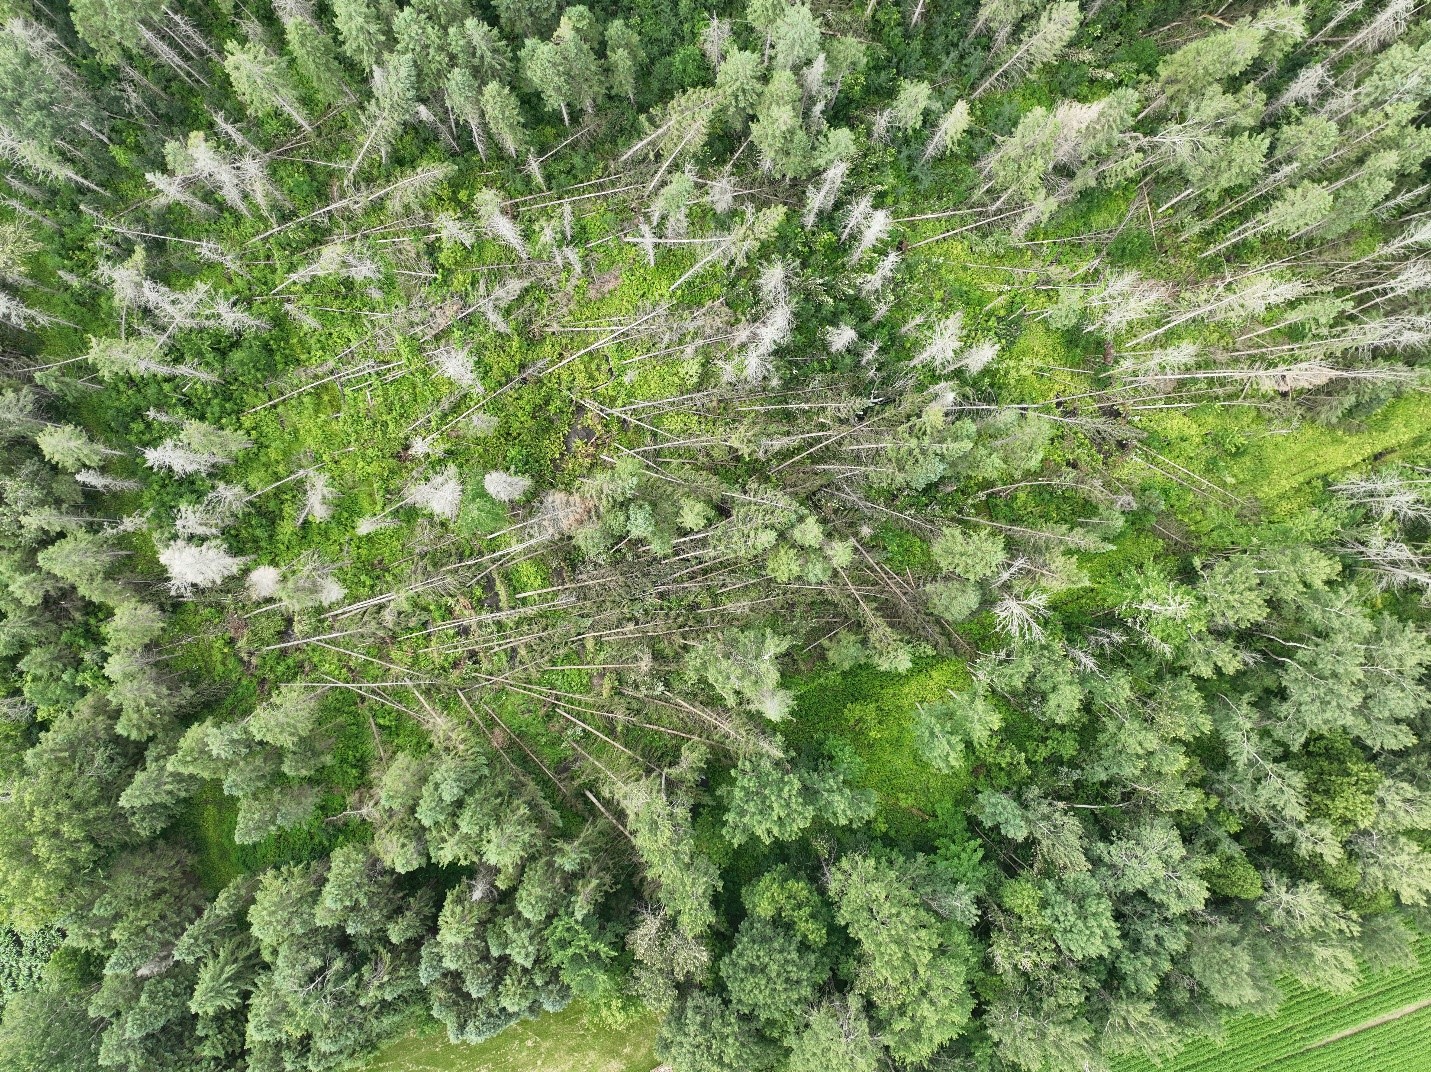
{"points": [[1382, 1026]]}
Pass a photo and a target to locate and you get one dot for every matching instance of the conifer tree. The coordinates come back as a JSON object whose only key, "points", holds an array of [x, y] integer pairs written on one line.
{"points": [[624, 57], [262, 82], [364, 29], [738, 83], [779, 133], [69, 447], [525, 19], [795, 36], [111, 28], [503, 116], [316, 57]]}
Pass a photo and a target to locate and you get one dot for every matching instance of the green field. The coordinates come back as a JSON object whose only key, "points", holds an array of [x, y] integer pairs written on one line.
{"points": [[1382, 1026], [565, 1041], [1397, 1045]]}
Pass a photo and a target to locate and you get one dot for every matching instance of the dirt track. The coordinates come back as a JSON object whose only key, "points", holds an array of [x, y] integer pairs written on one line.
{"points": [[1375, 1021]]}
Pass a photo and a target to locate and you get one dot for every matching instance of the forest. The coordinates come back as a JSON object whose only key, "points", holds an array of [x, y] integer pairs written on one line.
{"points": [[884, 534]]}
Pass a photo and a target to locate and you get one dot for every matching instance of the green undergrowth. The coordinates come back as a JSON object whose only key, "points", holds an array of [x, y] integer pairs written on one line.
{"points": [[1230, 473], [864, 718]]}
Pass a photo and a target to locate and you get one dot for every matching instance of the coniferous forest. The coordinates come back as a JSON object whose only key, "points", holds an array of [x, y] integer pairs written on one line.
{"points": [[891, 534]]}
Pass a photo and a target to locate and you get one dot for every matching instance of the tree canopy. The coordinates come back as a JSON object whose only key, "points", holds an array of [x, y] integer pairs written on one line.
{"points": [[888, 535]]}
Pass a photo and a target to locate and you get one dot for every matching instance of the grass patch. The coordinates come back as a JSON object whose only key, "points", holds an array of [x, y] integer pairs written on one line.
{"points": [[563, 1041]]}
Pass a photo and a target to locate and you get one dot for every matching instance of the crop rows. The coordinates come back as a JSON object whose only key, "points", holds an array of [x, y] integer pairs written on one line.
{"points": [[1396, 1046], [1304, 1019]]}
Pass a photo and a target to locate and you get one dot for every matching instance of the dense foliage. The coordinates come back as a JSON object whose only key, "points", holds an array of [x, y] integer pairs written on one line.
{"points": [[890, 534]]}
